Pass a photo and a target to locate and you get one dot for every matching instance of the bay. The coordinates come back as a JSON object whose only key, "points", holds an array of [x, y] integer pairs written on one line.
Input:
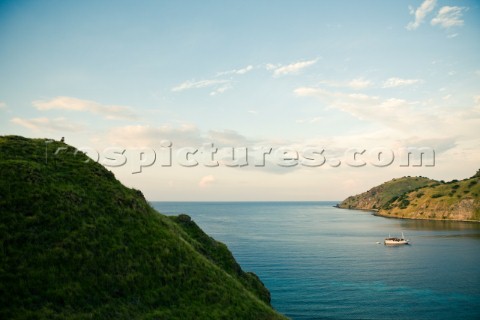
{"points": [[321, 262]]}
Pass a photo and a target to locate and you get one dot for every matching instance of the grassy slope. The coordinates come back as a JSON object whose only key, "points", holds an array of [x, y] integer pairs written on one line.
{"points": [[381, 195], [455, 200], [76, 244], [422, 198], [220, 255]]}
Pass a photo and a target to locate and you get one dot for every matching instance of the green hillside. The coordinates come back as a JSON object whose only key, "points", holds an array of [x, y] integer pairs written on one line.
{"points": [[422, 198], [381, 195], [454, 200], [77, 244]]}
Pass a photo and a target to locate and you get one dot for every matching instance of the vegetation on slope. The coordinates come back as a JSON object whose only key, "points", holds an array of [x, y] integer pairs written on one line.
{"points": [[77, 244], [454, 200], [382, 195], [422, 198], [218, 253]]}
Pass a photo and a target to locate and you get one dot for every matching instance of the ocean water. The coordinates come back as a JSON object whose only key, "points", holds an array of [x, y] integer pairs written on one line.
{"points": [[320, 262]]}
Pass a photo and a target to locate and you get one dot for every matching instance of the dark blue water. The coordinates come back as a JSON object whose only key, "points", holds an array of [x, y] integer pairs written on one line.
{"points": [[321, 262]]}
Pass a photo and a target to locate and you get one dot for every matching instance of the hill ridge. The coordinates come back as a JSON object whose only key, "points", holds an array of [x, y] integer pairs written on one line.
{"points": [[77, 244]]}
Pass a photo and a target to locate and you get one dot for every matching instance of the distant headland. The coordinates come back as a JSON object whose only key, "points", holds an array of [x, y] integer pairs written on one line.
{"points": [[421, 198]]}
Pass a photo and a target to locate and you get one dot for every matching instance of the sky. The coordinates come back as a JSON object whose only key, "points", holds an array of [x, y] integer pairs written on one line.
{"points": [[140, 84]]}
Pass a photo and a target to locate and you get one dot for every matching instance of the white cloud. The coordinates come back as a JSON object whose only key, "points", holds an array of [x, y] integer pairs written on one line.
{"points": [[395, 113], [310, 120], [237, 71], [448, 17], [270, 66], [46, 124], [476, 108], [438, 144], [220, 85], [220, 90], [420, 13], [228, 138], [355, 84], [2, 105], [182, 135], [148, 136], [401, 118], [206, 181], [398, 82], [244, 70], [415, 129], [306, 91], [74, 104], [279, 70], [359, 83], [198, 84]]}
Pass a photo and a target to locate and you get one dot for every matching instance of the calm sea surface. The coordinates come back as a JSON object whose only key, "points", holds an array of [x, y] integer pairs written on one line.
{"points": [[321, 262]]}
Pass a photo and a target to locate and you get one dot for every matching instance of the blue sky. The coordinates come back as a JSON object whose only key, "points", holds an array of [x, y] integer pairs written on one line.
{"points": [[293, 74]]}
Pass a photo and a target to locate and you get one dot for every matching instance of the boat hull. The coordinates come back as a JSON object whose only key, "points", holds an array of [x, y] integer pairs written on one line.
{"points": [[394, 241], [398, 242]]}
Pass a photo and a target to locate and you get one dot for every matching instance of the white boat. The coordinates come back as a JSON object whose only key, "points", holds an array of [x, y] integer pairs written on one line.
{"points": [[393, 241]]}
